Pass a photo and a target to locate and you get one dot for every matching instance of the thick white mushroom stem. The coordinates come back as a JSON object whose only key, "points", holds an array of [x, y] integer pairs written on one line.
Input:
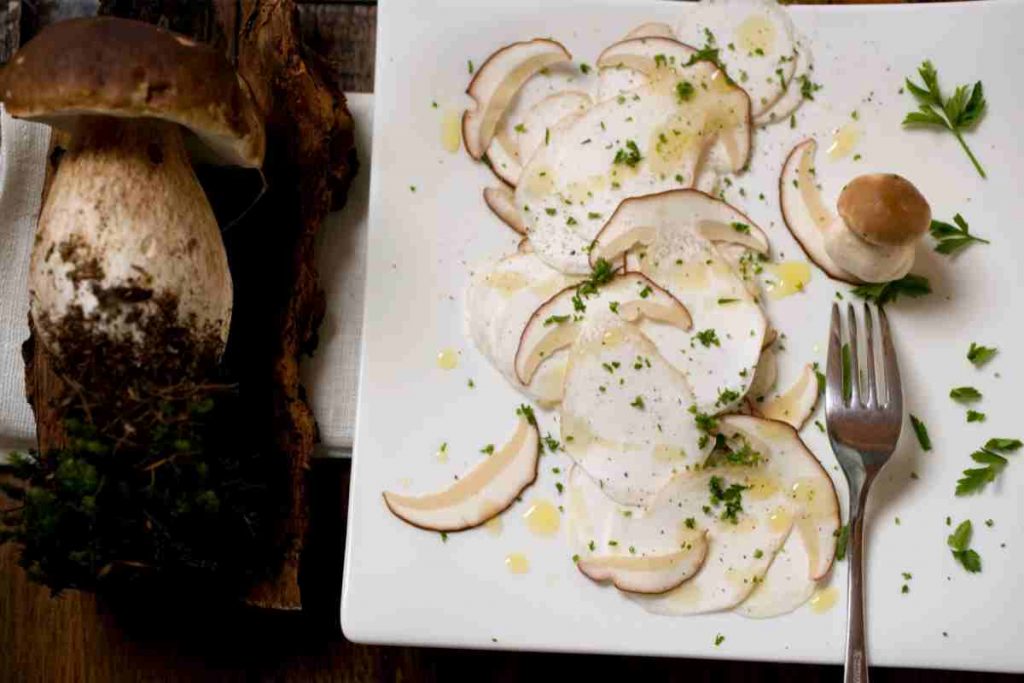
{"points": [[128, 249]]}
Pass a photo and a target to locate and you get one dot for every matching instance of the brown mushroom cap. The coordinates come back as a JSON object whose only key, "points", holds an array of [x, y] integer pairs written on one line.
{"points": [[118, 67], [884, 209]]}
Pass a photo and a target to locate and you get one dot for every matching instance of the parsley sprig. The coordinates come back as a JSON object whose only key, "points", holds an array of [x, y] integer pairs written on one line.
{"points": [[958, 113], [959, 542], [953, 238], [883, 292], [979, 355]]}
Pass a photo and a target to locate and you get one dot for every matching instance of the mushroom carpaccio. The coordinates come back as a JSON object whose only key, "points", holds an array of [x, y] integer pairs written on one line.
{"points": [[128, 264]]}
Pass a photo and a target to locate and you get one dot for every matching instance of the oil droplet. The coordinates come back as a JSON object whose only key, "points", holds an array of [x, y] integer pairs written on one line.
{"points": [[760, 487], [507, 283], [451, 131], [844, 139], [494, 526], [542, 518], [517, 563], [779, 520], [824, 599], [790, 277], [756, 33], [447, 359]]}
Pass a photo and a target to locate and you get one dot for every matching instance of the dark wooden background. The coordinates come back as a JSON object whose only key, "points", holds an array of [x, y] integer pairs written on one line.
{"points": [[75, 638]]}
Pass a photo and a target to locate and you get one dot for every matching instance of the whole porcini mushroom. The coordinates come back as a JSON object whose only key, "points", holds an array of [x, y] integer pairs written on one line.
{"points": [[881, 217], [128, 259]]}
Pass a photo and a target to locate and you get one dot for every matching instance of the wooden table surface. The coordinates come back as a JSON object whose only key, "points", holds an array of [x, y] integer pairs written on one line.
{"points": [[76, 638]]}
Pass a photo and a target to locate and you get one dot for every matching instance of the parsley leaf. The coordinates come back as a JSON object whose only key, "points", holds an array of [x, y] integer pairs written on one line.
{"points": [[921, 431], [684, 90], [953, 238], [975, 416], [842, 540], [958, 113], [629, 156], [732, 497], [708, 338], [882, 293], [1003, 445], [959, 542], [979, 355], [964, 394], [977, 478], [556, 319]]}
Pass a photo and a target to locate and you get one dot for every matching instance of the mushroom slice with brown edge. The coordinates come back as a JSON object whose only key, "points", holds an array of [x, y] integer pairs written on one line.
{"points": [[496, 83], [501, 201], [622, 545], [651, 29], [480, 494], [785, 490], [796, 404], [661, 60], [127, 247], [804, 210], [663, 236], [503, 162], [556, 323]]}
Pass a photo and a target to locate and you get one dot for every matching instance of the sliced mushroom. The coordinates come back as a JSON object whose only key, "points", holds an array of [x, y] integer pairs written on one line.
{"points": [[546, 118], [556, 323], [785, 586], [796, 404], [501, 200], [804, 211], [651, 29], [480, 494], [503, 161], [497, 81]]}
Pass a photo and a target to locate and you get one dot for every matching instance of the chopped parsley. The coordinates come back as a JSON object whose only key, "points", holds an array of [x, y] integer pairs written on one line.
{"points": [[570, 221], [959, 544], [741, 228], [690, 523], [638, 403], [526, 411], [556, 319], [725, 300], [444, 536], [719, 639], [519, 128], [744, 455], [550, 211], [921, 431], [727, 396], [708, 338], [559, 487], [883, 292], [842, 535], [593, 215], [952, 238], [552, 443], [488, 449], [684, 90], [584, 68], [645, 292], [630, 156], [808, 87], [758, 554], [964, 394], [979, 355], [975, 416], [705, 423], [469, 65], [731, 497], [976, 479]]}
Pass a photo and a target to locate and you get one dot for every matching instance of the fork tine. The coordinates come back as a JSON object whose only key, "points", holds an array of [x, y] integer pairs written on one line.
{"points": [[869, 341], [834, 364], [851, 333], [893, 387]]}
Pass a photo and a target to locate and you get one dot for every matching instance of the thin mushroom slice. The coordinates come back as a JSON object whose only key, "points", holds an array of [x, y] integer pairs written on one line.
{"points": [[804, 212], [662, 236], [556, 323], [623, 546], [503, 161], [646, 141], [548, 117], [501, 200], [500, 300], [651, 29], [793, 96], [801, 477], [496, 83], [624, 412], [765, 374], [785, 586], [785, 491], [480, 494], [795, 405]]}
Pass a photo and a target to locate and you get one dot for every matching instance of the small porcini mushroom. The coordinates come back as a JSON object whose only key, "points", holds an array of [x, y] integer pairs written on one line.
{"points": [[128, 251], [884, 209]]}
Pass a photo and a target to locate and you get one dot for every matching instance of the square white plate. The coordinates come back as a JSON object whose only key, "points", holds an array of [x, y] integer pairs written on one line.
{"points": [[404, 585]]}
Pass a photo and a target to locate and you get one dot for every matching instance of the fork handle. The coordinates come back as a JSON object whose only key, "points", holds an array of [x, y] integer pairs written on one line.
{"points": [[856, 669]]}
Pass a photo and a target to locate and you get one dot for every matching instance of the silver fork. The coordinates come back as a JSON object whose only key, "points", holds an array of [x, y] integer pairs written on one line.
{"points": [[863, 427]]}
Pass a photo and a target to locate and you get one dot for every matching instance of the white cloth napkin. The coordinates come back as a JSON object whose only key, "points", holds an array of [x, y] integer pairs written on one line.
{"points": [[23, 149], [331, 376]]}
